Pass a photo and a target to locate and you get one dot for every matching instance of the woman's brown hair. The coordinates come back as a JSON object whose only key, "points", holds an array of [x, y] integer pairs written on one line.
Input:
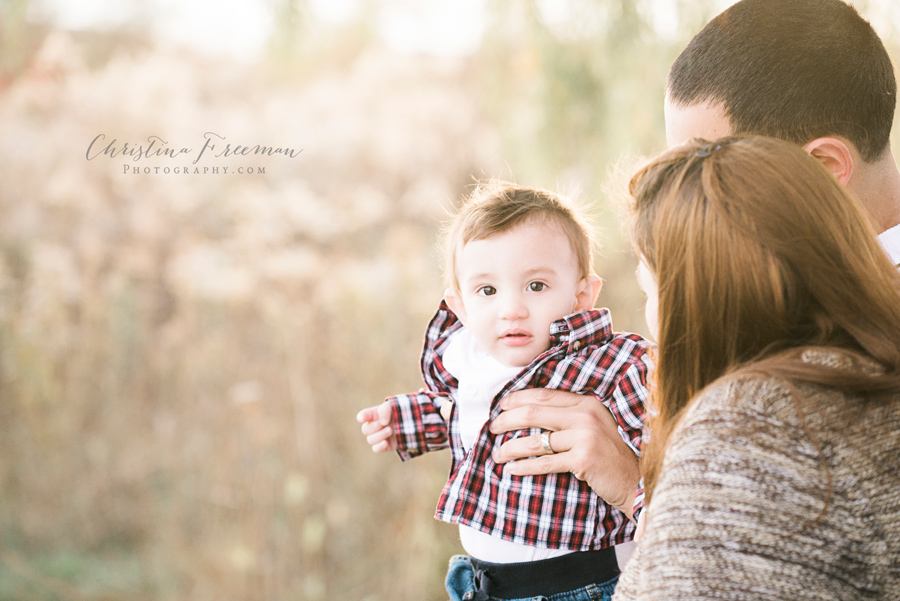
{"points": [[759, 254]]}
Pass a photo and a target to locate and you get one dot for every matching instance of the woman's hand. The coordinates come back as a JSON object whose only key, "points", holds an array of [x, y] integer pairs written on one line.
{"points": [[583, 436]]}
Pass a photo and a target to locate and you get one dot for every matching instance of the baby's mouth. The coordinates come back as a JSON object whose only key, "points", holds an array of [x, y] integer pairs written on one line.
{"points": [[515, 337]]}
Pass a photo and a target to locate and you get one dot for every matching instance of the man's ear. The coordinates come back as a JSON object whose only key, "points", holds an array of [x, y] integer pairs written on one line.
{"points": [[588, 291], [455, 302], [835, 154]]}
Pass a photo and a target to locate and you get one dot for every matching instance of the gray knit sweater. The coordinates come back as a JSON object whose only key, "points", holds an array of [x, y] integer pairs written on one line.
{"points": [[738, 509]]}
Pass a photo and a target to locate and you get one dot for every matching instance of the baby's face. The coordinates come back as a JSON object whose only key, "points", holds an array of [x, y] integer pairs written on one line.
{"points": [[513, 286]]}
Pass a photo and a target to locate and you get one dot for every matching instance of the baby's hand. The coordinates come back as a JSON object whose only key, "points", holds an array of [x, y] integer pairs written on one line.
{"points": [[376, 426]]}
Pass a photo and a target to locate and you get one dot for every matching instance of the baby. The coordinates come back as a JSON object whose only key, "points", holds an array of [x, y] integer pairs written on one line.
{"points": [[518, 313]]}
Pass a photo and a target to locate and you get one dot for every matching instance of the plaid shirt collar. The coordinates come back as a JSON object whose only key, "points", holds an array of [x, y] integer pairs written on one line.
{"points": [[567, 335], [579, 330]]}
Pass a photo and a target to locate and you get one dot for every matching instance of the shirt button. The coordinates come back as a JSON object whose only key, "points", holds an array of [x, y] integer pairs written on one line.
{"points": [[471, 389], [576, 345]]}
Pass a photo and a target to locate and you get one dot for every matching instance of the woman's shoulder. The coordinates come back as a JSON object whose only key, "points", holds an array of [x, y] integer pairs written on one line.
{"points": [[744, 486], [757, 460], [763, 426], [734, 399], [754, 394]]}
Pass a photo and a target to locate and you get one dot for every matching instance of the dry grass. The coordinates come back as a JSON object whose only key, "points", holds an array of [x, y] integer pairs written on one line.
{"points": [[183, 356]]}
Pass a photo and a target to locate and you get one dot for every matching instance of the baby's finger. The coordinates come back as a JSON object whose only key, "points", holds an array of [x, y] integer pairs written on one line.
{"points": [[385, 445], [379, 436], [384, 414], [368, 414], [371, 428]]}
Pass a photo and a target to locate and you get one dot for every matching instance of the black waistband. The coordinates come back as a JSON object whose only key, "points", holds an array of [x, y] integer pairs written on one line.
{"points": [[548, 576]]}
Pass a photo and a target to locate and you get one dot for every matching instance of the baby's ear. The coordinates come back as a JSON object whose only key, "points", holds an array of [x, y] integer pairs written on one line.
{"points": [[455, 302], [588, 291]]}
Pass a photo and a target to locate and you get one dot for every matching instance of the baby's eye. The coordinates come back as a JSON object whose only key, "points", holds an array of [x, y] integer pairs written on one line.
{"points": [[487, 291], [536, 286]]}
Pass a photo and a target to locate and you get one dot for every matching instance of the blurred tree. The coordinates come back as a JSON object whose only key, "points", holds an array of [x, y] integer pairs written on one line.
{"points": [[18, 40], [575, 84], [289, 18]]}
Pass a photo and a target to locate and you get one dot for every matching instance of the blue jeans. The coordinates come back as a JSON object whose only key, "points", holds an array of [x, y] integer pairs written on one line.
{"points": [[461, 586]]}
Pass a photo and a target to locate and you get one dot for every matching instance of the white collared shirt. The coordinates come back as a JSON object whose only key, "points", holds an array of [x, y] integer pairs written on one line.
{"points": [[890, 242]]}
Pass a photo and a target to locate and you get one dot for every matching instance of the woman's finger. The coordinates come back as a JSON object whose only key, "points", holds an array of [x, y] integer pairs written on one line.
{"points": [[581, 412], [545, 464], [540, 396], [533, 416], [531, 446]]}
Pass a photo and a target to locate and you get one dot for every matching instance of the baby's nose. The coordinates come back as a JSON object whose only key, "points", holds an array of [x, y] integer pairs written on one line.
{"points": [[514, 308]]}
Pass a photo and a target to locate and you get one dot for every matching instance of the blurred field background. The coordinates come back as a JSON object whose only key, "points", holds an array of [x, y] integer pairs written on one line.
{"points": [[182, 356]]}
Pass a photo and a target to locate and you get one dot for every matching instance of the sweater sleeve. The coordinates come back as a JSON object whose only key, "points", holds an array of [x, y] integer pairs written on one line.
{"points": [[418, 424], [735, 513]]}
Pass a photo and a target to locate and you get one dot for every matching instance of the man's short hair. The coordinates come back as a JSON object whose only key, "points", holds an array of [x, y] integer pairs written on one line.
{"points": [[792, 69]]}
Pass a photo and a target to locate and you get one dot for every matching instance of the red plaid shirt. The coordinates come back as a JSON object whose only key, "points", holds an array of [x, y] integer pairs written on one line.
{"points": [[555, 511]]}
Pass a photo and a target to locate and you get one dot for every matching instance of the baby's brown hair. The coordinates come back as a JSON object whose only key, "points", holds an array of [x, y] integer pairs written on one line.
{"points": [[495, 207]]}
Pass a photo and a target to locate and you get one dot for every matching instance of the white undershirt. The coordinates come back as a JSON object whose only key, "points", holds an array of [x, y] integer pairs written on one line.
{"points": [[481, 377]]}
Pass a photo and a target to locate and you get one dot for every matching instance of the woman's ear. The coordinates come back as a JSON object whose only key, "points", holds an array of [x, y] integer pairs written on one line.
{"points": [[455, 302], [588, 291], [835, 154]]}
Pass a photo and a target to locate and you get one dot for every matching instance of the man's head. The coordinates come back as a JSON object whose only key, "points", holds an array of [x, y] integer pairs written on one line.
{"points": [[792, 69], [517, 259]]}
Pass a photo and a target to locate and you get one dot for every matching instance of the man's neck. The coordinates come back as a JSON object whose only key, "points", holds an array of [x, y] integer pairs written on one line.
{"points": [[877, 186]]}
